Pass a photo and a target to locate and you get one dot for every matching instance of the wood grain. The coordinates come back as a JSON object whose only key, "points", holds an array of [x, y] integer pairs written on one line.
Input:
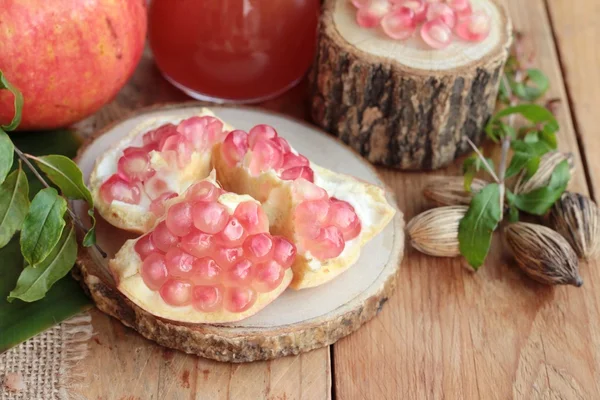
{"points": [[494, 334]]}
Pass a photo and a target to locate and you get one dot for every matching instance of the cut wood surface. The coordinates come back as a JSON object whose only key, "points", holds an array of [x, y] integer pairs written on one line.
{"points": [[446, 333]]}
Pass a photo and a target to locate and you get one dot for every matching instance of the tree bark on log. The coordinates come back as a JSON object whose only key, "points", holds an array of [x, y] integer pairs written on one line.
{"points": [[400, 116]]}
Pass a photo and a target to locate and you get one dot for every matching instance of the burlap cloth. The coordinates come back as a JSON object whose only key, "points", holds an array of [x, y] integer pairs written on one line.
{"points": [[47, 362]]}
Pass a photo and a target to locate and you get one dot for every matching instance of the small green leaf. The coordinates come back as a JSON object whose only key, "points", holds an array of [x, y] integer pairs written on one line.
{"points": [[90, 236], [65, 174], [5, 84], [533, 86], [539, 201], [34, 282], [480, 221], [7, 152], [42, 226], [517, 163], [14, 203], [533, 112], [513, 214], [532, 166]]}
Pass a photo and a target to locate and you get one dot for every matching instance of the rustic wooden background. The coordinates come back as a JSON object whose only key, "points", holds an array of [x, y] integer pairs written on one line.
{"points": [[446, 333]]}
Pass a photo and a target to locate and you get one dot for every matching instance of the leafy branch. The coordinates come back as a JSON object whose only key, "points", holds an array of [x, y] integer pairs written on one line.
{"points": [[47, 236]]}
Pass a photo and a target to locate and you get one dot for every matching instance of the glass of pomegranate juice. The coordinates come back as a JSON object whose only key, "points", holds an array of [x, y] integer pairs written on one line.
{"points": [[233, 50]]}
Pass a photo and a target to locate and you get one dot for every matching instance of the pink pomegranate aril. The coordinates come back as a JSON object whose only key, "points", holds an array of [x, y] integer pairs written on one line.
{"points": [[252, 217], [436, 33], [298, 172], [176, 293], [144, 246], [303, 189], [154, 271], [179, 147], [179, 263], [207, 298], [258, 248], [135, 166], [132, 150], [370, 15], [291, 160], [342, 215], [239, 299], [179, 219], [443, 12], [155, 187], [241, 273], [203, 191], [234, 147], [459, 5], [202, 132], [329, 243], [260, 132], [233, 234], [158, 205], [474, 28], [205, 270], [116, 188], [361, 3], [268, 276], [284, 252], [399, 24], [419, 7], [163, 238], [226, 257], [266, 155], [309, 217], [198, 244], [209, 216], [283, 144], [157, 134]]}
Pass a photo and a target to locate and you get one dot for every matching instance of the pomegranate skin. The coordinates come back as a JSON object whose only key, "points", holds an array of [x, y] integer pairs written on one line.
{"points": [[67, 57]]}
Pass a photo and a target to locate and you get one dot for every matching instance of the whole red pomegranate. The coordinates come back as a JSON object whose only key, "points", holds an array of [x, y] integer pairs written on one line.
{"points": [[67, 57]]}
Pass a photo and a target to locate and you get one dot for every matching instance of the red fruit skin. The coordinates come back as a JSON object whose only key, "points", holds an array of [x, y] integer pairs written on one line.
{"points": [[80, 55]]}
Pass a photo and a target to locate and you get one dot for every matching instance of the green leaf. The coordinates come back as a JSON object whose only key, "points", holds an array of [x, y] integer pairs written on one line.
{"points": [[65, 174], [517, 163], [5, 84], [532, 166], [42, 226], [539, 201], [90, 237], [533, 112], [533, 87], [14, 203], [513, 214], [480, 221], [34, 282], [7, 152]]}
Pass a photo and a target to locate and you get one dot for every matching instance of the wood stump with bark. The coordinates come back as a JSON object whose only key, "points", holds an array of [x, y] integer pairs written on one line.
{"points": [[400, 103]]}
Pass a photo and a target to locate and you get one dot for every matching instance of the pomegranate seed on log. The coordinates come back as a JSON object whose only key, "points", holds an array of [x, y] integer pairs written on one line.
{"points": [[205, 270], [239, 299], [179, 263], [443, 12], [176, 293], [268, 276], [241, 273], [370, 16], [475, 27], [179, 218], [419, 7], [259, 133], [329, 243], [461, 7], [399, 24], [436, 33], [116, 188], [234, 147], [310, 216], [342, 215], [207, 298], [154, 271]]}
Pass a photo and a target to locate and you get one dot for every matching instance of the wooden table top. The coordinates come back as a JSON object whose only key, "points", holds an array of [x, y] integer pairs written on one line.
{"points": [[446, 332]]}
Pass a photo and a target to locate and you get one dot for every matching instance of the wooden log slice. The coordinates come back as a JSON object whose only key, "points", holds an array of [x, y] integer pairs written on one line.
{"points": [[295, 322], [401, 103]]}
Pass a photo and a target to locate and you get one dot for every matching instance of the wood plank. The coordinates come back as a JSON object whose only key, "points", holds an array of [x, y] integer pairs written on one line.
{"points": [[121, 365], [448, 333]]}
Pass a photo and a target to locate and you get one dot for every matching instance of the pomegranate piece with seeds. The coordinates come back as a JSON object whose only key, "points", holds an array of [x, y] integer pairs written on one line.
{"points": [[234, 147], [436, 33], [116, 188], [474, 28], [399, 24], [134, 166]]}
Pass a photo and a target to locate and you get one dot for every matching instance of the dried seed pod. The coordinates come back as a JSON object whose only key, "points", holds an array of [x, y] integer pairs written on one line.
{"points": [[543, 254], [435, 232], [450, 190], [576, 218], [542, 176]]}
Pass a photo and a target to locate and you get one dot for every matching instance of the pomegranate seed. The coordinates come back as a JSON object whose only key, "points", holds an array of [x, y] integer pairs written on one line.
{"points": [[234, 147], [436, 34], [205, 270], [284, 252], [207, 298], [203, 191], [239, 299], [209, 217], [298, 172], [233, 234], [158, 205], [157, 134], [265, 155], [460, 7], [268, 276], [145, 246], [226, 257], [303, 189], [342, 215], [310, 216], [329, 243], [252, 217], [370, 15], [202, 132], [241, 272], [197, 243], [179, 147], [154, 271], [259, 133], [179, 219], [135, 166], [283, 144], [156, 187], [419, 7], [179, 263], [163, 238], [474, 28], [399, 24], [117, 189], [258, 248], [361, 3], [132, 150], [176, 293], [291, 160], [443, 12]]}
